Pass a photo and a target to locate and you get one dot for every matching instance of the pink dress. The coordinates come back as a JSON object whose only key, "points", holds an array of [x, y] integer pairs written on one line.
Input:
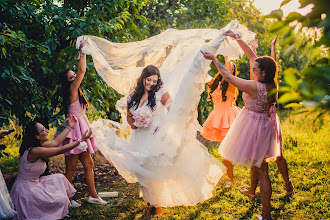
{"points": [[78, 130], [220, 119], [46, 197], [252, 138]]}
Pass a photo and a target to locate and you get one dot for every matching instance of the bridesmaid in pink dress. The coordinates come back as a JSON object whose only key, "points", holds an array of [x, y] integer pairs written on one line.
{"points": [[75, 103], [46, 197], [252, 140], [220, 119]]}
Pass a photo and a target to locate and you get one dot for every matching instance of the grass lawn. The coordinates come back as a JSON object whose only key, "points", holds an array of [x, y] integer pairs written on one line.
{"points": [[306, 148]]}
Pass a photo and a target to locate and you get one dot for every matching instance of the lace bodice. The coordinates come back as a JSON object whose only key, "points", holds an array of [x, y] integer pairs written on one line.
{"points": [[260, 103], [159, 111]]}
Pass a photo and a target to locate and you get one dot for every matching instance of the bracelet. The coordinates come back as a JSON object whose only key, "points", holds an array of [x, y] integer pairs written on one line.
{"points": [[79, 140]]}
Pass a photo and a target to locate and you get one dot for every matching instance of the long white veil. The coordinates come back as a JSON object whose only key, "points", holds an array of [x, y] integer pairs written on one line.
{"points": [[173, 52], [172, 158]]}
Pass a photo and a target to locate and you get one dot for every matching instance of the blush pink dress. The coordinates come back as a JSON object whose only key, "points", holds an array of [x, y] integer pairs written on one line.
{"points": [[220, 119], [253, 137], [78, 130], [46, 197]]}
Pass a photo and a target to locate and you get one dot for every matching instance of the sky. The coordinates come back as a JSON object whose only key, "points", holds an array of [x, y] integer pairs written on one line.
{"points": [[266, 6]]}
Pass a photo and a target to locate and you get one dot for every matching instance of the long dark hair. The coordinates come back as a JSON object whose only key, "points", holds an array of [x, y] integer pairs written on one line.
{"points": [[29, 138], [139, 89], [269, 66], [223, 86], [65, 92]]}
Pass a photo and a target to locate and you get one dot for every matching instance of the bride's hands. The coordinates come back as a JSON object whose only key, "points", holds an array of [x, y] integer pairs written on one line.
{"points": [[208, 56], [133, 127]]}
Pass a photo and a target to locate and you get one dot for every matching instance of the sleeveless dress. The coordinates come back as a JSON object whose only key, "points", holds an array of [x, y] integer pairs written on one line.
{"points": [[252, 138], [186, 178], [220, 119], [6, 205], [78, 130], [45, 198]]}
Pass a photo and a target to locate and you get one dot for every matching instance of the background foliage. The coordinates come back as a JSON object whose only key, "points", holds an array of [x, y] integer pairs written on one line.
{"points": [[37, 40], [306, 83]]}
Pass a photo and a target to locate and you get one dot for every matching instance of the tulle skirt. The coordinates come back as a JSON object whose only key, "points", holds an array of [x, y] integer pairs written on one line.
{"points": [[250, 140], [185, 179]]}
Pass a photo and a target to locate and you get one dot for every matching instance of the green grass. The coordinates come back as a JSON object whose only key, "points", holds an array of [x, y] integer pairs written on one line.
{"points": [[306, 149]]}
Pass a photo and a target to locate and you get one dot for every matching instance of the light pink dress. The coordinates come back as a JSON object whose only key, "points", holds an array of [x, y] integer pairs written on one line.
{"points": [[46, 197], [252, 138], [78, 130]]}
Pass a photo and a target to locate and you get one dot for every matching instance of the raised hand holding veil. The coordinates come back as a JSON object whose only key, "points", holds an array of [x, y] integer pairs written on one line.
{"points": [[184, 72]]}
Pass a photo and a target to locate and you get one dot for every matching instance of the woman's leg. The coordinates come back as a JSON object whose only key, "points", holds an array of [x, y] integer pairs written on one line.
{"points": [[265, 189], [254, 181], [88, 164], [70, 166], [283, 168], [230, 171]]}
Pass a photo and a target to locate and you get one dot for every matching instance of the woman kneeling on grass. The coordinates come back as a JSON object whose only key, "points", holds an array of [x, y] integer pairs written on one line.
{"points": [[46, 197]]}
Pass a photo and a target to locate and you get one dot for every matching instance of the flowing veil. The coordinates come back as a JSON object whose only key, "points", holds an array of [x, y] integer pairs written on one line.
{"points": [[174, 146], [173, 52]]}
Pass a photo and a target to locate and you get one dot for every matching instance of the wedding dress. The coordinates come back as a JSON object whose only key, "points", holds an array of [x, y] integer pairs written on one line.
{"points": [[172, 167]]}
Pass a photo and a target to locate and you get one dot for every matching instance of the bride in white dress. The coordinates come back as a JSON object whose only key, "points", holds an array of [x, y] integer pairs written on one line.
{"points": [[172, 167]]}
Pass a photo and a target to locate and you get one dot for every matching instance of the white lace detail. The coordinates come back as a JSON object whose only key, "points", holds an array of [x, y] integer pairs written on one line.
{"points": [[159, 94], [170, 164]]}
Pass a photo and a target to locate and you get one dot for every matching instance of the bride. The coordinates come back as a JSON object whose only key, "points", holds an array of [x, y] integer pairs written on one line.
{"points": [[162, 154]]}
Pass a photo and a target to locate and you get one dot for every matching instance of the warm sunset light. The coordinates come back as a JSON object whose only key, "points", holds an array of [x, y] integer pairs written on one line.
{"points": [[267, 6]]}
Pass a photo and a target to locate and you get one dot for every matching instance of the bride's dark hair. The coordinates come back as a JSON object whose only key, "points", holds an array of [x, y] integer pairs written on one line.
{"points": [[223, 86], [139, 89]]}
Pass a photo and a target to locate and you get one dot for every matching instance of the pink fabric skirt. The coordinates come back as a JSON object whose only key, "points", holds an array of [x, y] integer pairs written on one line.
{"points": [[250, 140], [76, 132], [218, 123], [46, 198]]}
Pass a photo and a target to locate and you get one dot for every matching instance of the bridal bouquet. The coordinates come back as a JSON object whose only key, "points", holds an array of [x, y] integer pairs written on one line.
{"points": [[142, 117]]}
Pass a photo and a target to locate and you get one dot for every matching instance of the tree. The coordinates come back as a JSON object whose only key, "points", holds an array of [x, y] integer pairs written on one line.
{"points": [[37, 41], [307, 85]]}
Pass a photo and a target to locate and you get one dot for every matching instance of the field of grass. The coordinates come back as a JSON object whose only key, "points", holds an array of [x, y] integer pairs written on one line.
{"points": [[306, 148]]}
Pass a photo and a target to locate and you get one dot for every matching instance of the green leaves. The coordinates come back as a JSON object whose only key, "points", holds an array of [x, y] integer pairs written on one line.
{"points": [[278, 14]]}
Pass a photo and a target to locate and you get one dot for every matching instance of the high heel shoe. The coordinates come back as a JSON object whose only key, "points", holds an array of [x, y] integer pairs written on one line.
{"points": [[245, 192]]}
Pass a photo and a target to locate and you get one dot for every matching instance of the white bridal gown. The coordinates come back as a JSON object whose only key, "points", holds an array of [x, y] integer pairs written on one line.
{"points": [[172, 167], [6, 204]]}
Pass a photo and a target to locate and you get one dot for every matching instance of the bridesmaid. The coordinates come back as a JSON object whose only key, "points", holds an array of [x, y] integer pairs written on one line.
{"points": [[220, 119], [46, 197], [75, 103], [280, 160], [252, 140]]}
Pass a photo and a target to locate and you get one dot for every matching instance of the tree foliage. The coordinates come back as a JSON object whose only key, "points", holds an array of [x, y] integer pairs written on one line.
{"points": [[306, 84], [37, 41]]}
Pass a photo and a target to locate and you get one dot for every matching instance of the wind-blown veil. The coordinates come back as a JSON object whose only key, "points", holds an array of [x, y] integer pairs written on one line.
{"points": [[184, 72], [173, 52]]}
